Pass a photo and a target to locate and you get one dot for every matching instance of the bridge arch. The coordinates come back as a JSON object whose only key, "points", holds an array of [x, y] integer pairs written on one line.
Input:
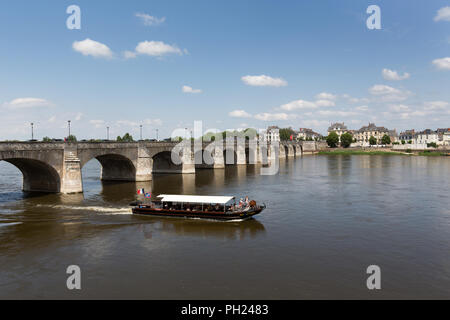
{"points": [[37, 175], [162, 163], [115, 166], [298, 149], [229, 156]]}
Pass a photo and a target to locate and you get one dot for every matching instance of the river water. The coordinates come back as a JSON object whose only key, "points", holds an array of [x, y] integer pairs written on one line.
{"points": [[327, 219]]}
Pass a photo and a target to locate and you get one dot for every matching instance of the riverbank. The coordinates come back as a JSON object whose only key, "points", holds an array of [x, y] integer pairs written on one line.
{"points": [[378, 152]]}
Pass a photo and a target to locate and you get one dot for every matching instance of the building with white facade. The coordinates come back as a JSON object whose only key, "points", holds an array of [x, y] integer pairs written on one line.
{"points": [[446, 138], [363, 135], [426, 136], [306, 134], [272, 134], [339, 128]]}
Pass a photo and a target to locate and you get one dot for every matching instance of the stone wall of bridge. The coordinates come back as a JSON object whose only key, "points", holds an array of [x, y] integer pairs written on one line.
{"points": [[57, 166]]}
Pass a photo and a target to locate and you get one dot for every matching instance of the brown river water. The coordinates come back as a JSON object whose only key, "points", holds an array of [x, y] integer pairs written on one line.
{"points": [[327, 219]]}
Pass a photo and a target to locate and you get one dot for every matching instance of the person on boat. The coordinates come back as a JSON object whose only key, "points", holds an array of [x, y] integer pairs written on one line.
{"points": [[216, 207], [246, 201]]}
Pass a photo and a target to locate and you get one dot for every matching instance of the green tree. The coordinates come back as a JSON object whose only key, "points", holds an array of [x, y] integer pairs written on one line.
{"points": [[403, 141], [285, 134], [386, 139], [46, 139], [250, 133], [126, 138], [372, 141], [432, 145], [333, 139], [71, 138], [346, 139]]}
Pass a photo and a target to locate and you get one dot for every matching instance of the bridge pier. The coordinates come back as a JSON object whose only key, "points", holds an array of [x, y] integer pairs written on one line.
{"points": [[282, 152], [71, 172], [188, 164], [291, 151], [144, 165], [219, 160], [240, 154]]}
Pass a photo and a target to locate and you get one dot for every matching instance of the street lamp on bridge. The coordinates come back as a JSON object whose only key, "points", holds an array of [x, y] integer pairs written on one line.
{"points": [[140, 131], [32, 131], [107, 133], [68, 123]]}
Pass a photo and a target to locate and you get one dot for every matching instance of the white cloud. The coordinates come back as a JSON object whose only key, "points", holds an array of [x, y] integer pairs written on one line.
{"points": [[129, 54], [263, 81], [326, 96], [399, 108], [443, 63], [387, 93], [187, 89], [443, 14], [149, 20], [79, 116], [156, 48], [304, 104], [362, 108], [381, 89], [324, 103], [23, 103], [393, 75], [298, 104], [239, 114], [436, 105], [331, 113], [93, 48], [315, 123], [129, 123], [272, 116], [97, 123], [355, 100], [153, 122]]}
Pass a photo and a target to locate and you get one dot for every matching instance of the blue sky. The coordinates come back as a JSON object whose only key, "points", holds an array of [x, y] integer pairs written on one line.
{"points": [[247, 64]]}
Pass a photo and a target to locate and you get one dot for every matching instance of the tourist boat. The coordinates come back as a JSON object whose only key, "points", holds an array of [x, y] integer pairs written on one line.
{"points": [[206, 207]]}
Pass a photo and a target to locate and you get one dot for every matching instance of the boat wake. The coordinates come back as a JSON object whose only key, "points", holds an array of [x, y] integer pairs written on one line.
{"points": [[104, 210]]}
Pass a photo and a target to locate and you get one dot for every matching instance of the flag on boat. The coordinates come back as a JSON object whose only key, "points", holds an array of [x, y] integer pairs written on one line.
{"points": [[148, 195], [140, 191]]}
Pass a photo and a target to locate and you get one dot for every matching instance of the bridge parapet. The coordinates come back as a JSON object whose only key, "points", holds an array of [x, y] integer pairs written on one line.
{"points": [[56, 166]]}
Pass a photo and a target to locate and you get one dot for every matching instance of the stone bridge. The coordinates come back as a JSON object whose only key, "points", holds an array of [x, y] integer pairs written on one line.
{"points": [[56, 166]]}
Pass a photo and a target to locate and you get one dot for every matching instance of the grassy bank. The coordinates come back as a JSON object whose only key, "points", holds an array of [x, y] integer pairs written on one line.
{"points": [[432, 154], [359, 152], [375, 152]]}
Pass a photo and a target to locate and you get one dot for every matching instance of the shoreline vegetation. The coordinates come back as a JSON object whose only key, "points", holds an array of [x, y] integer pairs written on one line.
{"points": [[380, 152]]}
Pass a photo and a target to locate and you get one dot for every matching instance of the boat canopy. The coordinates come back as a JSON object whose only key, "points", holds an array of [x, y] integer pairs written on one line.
{"points": [[194, 199]]}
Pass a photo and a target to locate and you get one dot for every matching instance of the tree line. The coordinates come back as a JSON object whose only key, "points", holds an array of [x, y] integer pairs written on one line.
{"points": [[347, 139]]}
